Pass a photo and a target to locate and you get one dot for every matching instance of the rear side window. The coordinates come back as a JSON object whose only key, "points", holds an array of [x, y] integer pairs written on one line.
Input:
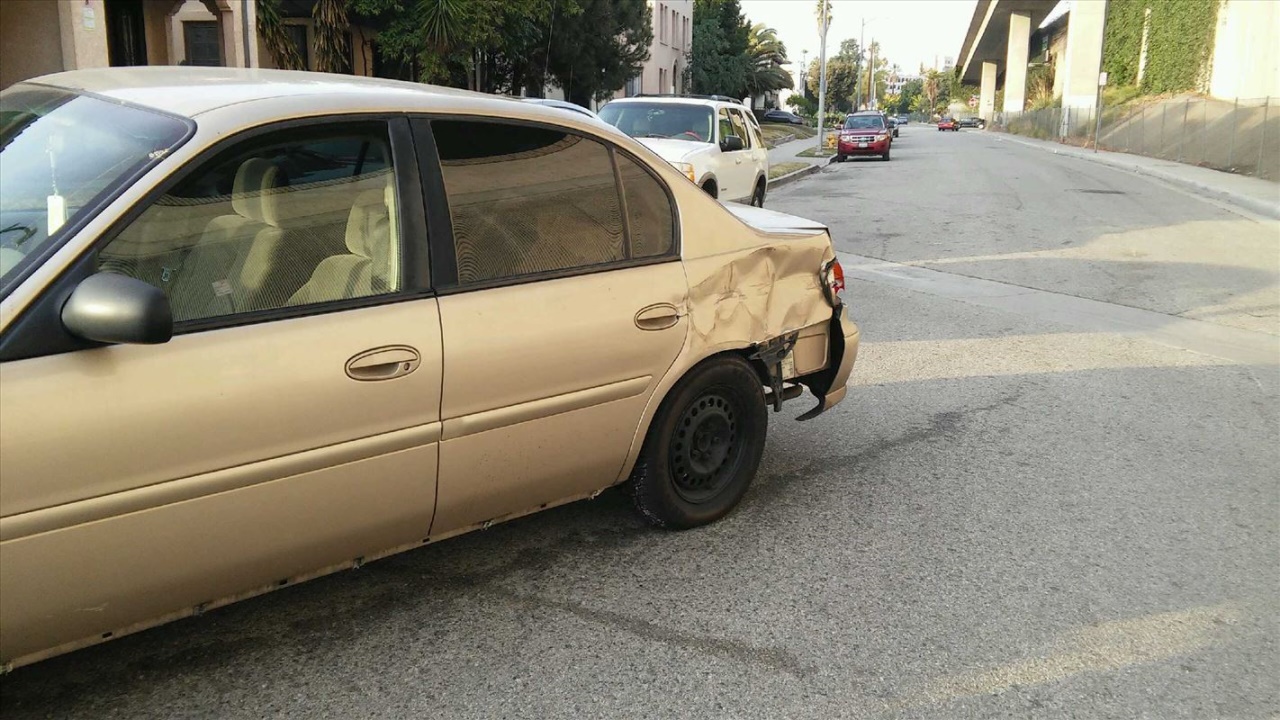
{"points": [[650, 218], [525, 201]]}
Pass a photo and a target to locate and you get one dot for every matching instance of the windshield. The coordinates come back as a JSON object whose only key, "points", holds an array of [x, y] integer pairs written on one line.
{"points": [[864, 122], [59, 153], [660, 120]]}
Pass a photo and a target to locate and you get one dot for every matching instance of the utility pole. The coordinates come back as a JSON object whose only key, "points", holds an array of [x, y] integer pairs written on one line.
{"points": [[824, 20], [871, 76], [862, 37]]}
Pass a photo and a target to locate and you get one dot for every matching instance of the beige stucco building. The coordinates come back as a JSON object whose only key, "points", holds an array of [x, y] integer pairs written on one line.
{"points": [[668, 53], [38, 37]]}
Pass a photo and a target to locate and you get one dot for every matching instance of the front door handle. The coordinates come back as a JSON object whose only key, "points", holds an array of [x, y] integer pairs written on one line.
{"points": [[383, 363], [658, 317]]}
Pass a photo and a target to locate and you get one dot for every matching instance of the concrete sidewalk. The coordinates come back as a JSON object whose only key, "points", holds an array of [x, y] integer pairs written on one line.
{"points": [[1253, 194], [786, 152]]}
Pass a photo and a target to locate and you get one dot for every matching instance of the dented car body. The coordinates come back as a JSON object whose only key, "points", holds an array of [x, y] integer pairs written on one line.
{"points": [[293, 323]]}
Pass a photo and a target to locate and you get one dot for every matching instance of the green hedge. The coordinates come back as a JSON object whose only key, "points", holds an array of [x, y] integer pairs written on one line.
{"points": [[1179, 43]]}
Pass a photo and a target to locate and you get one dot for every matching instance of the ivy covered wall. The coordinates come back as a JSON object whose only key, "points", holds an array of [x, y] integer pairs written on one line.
{"points": [[1179, 43]]}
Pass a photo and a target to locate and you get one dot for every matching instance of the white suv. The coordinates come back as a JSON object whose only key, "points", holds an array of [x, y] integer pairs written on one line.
{"points": [[713, 140]]}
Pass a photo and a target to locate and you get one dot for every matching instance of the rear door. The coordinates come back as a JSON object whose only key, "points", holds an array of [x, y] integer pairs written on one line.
{"points": [[562, 306], [291, 424]]}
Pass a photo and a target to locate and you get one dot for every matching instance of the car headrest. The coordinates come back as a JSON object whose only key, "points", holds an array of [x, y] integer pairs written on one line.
{"points": [[254, 193]]}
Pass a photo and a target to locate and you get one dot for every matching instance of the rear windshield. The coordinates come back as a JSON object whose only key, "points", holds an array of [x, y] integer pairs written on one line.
{"points": [[864, 122], [60, 153], [661, 120]]}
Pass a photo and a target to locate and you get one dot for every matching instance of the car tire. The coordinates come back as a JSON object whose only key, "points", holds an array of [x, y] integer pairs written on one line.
{"points": [[757, 196], [703, 447], [885, 156], [709, 187], [841, 158]]}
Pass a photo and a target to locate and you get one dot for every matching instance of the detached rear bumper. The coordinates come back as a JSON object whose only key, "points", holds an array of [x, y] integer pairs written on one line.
{"points": [[831, 385]]}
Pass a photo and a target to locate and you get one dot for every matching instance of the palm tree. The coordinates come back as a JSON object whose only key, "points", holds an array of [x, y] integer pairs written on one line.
{"points": [[766, 55], [331, 35], [277, 41]]}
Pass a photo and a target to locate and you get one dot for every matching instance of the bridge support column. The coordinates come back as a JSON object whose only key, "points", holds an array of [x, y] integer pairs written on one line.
{"points": [[1015, 66], [987, 92], [1084, 53]]}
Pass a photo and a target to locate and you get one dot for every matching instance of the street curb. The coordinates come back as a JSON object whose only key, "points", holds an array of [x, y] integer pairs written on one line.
{"points": [[794, 176], [1252, 204]]}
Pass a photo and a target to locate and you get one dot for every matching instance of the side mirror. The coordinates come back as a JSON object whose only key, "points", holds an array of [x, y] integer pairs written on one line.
{"points": [[114, 308], [730, 143]]}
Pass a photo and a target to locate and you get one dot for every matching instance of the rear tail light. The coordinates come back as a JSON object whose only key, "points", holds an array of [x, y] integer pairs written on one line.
{"points": [[833, 282]]}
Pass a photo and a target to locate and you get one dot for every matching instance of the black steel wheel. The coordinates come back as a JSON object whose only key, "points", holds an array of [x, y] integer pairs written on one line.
{"points": [[703, 446]]}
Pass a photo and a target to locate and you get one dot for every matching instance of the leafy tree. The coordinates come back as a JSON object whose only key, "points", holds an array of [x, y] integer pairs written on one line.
{"points": [[721, 48], [599, 49], [842, 77], [911, 90]]}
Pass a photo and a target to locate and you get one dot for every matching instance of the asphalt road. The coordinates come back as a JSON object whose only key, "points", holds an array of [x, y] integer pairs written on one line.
{"points": [[1052, 492]]}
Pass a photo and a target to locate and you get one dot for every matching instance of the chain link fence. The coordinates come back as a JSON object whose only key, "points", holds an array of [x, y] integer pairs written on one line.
{"points": [[1240, 136]]}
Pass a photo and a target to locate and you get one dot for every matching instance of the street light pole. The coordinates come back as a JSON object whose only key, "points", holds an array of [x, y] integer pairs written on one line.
{"points": [[824, 20], [862, 38]]}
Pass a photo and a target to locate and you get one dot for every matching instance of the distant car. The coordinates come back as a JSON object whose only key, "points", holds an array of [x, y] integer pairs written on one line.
{"points": [[563, 105], [782, 116], [948, 123], [864, 133], [714, 141], [903, 119], [972, 122], [892, 123]]}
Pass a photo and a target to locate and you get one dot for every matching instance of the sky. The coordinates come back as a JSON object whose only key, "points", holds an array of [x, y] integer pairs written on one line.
{"points": [[910, 32]]}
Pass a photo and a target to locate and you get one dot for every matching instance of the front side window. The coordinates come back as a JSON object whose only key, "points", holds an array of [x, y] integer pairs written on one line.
{"points": [[660, 120], [726, 125], [289, 219], [60, 154], [740, 128]]}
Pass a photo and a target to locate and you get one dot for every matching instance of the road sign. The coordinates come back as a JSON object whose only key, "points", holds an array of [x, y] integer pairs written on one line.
{"points": [[973, 101]]}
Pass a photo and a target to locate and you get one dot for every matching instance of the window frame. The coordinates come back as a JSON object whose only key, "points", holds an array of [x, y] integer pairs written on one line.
{"points": [[39, 331], [444, 265]]}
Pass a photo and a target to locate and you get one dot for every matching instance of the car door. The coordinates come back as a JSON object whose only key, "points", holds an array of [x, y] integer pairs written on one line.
{"points": [[744, 165], [759, 153], [562, 304], [291, 424]]}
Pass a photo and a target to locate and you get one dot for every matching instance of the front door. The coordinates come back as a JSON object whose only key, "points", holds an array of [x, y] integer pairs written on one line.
{"points": [[126, 32], [565, 309], [291, 425]]}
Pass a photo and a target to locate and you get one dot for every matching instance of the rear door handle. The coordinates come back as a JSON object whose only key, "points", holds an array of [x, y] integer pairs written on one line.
{"points": [[658, 317], [383, 363]]}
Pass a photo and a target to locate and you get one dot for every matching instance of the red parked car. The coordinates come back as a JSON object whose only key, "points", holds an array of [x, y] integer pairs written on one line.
{"points": [[864, 133], [948, 123]]}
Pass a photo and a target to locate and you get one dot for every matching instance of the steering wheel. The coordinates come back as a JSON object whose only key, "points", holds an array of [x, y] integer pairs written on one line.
{"points": [[693, 135]]}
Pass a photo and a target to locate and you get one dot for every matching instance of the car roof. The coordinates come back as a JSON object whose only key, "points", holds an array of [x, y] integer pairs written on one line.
{"points": [[677, 100], [873, 113], [173, 89]]}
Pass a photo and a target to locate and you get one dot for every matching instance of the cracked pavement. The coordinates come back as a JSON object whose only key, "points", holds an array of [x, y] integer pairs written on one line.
{"points": [[1018, 511]]}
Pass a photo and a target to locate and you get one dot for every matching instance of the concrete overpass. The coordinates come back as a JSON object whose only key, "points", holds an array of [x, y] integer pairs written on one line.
{"points": [[997, 46]]}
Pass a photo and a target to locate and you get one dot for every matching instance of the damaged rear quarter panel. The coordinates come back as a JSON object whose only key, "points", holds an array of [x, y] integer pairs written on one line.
{"points": [[746, 285]]}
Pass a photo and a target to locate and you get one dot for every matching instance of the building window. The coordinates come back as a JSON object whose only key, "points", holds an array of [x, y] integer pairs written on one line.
{"points": [[202, 43], [298, 36], [634, 86], [662, 24], [662, 80]]}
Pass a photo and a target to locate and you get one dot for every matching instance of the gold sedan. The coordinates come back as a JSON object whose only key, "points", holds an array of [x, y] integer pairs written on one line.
{"points": [[260, 326]]}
